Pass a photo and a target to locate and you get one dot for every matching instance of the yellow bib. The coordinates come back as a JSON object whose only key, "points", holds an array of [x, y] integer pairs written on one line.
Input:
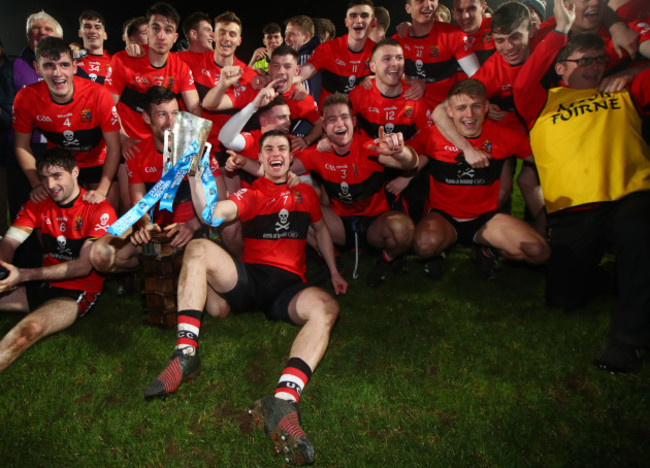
{"points": [[588, 148]]}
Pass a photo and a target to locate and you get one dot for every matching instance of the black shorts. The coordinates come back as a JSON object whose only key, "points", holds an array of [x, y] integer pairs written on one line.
{"points": [[356, 224], [90, 175], [39, 293], [264, 287], [466, 230]]}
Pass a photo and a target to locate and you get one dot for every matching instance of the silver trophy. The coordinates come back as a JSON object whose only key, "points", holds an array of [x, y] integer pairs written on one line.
{"points": [[187, 129]]}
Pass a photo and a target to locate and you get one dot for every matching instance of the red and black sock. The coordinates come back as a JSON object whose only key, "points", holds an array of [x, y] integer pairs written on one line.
{"points": [[188, 325], [293, 379]]}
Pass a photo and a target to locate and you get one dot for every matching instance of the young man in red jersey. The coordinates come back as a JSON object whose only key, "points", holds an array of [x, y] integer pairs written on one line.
{"points": [[97, 61], [65, 287], [269, 277]]}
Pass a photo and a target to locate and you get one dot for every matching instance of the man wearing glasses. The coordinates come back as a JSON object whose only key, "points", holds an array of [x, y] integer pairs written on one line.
{"points": [[594, 168]]}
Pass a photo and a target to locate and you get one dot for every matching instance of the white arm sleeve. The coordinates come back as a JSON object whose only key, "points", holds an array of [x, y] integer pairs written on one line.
{"points": [[230, 135]]}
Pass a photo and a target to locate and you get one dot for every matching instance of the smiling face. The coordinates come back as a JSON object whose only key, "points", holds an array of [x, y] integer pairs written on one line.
{"points": [[276, 118], [275, 157], [468, 114], [358, 20], [40, 28], [60, 184], [58, 75], [589, 15], [586, 76], [93, 34], [422, 11], [388, 66], [227, 38], [283, 68], [203, 36], [162, 34], [513, 47], [469, 14], [294, 36], [338, 125]]}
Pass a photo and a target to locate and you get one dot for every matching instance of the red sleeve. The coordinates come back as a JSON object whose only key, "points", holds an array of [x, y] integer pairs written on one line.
{"points": [[186, 82], [100, 209], [642, 27], [109, 119], [321, 56], [315, 213], [530, 96], [521, 144], [488, 76], [459, 45], [115, 78], [308, 109], [28, 215], [640, 91], [23, 118], [245, 200], [241, 98]]}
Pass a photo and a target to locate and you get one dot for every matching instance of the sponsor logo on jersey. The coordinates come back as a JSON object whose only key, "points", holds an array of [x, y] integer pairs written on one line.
{"points": [[150, 169]]}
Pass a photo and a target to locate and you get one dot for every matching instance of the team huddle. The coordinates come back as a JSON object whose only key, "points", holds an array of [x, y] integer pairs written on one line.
{"points": [[402, 145]]}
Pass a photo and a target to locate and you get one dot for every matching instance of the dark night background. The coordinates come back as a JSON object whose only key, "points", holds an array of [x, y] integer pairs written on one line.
{"points": [[253, 16]]}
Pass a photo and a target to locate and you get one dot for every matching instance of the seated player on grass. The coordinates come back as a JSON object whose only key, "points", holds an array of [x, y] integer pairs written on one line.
{"points": [[270, 278], [65, 287]]}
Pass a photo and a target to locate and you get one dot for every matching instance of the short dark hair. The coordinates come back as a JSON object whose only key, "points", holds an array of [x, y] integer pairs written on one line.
{"points": [[334, 99], [272, 28], [304, 22], [469, 87], [274, 133], [383, 17], [163, 9], [282, 50], [192, 22], [354, 3], [388, 41], [509, 17], [324, 26], [157, 95], [58, 157], [228, 17], [52, 47], [275, 102], [130, 26], [91, 15], [579, 43]]}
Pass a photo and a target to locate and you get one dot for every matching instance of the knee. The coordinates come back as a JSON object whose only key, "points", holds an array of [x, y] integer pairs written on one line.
{"points": [[536, 252], [330, 309], [402, 230], [29, 331], [102, 255], [427, 244], [196, 248]]}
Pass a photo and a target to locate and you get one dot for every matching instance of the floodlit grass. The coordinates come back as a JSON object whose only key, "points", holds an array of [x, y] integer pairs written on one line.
{"points": [[458, 372]]}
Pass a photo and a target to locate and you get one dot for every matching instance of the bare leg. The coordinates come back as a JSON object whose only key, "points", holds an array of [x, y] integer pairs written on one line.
{"points": [[392, 232], [514, 239], [433, 235], [51, 317]]}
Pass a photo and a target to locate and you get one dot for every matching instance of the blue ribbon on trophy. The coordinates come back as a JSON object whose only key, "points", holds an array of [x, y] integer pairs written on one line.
{"points": [[188, 142], [210, 191]]}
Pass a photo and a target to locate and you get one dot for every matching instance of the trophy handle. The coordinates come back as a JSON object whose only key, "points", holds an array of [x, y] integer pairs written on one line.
{"points": [[167, 154], [207, 147]]}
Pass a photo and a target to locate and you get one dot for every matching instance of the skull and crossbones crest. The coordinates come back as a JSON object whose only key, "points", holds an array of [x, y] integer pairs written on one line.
{"points": [[69, 140], [419, 68], [283, 223], [389, 127], [103, 222], [62, 246], [345, 195], [351, 82]]}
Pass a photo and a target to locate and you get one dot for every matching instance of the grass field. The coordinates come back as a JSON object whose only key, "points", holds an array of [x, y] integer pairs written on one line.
{"points": [[458, 372]]}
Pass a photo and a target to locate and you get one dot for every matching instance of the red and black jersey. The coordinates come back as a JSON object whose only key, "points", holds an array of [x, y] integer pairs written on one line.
{"points": [[642, 28], [147, 168], [305, 108], [207, 73], [354, 181], [77, 125], [95, 67], [498, 76], [64, 229], [131, 77], [275, 220], [396, 114], [481, 41], [455, 187], [434, 59], [341, 68]]}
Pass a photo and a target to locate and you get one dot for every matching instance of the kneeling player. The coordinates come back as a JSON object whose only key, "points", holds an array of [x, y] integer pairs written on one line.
{"points": [[65, 287], [269, 277], [463, 201]]}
